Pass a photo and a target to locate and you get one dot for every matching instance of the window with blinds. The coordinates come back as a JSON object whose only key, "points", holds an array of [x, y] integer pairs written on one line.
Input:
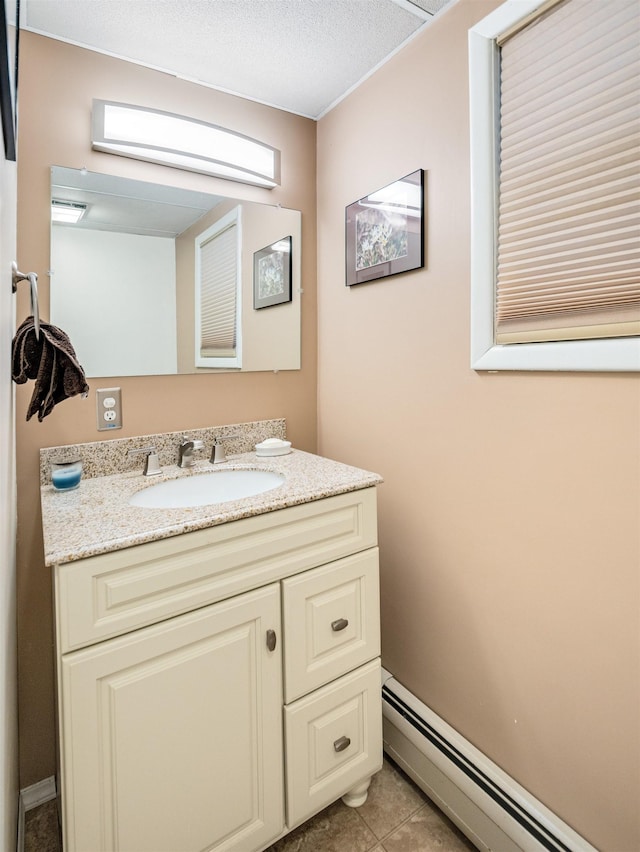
{"points": [[218, 294], [554, 97], [568, 217]]}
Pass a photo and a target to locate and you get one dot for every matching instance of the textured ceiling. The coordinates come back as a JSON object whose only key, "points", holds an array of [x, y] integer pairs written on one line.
{"points": [[300, 55]]}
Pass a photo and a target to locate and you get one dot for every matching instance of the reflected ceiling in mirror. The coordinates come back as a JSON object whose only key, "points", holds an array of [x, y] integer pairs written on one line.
{"points": [[123, 277]]}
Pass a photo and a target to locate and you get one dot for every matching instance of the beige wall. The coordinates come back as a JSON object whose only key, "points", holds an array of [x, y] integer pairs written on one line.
{"points": [[57, 83], [509, 513]]}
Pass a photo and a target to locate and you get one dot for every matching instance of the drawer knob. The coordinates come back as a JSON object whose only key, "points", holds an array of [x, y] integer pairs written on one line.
{"points": [[339, 624], [342, 743], [271, 640]]}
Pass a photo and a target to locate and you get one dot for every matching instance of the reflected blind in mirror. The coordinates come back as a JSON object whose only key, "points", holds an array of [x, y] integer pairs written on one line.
{"points": [[218, 293]]}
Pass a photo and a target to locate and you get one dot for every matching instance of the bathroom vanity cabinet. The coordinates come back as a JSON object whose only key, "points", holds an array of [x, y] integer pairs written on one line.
{"points": [[218, 688]]}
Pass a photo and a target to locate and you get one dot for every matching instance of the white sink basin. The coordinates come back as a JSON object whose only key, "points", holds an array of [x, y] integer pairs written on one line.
{"points": [[218, 486]]}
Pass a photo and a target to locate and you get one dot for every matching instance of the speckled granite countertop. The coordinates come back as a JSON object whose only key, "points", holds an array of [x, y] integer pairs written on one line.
{"points": [[97, 518]]}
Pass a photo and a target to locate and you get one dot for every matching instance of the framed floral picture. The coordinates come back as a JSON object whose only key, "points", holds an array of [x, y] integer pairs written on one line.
{"points": [[272, 274], [384, 231]]}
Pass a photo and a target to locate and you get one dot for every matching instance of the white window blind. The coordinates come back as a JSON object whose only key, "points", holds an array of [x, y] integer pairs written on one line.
{"points": [[218, 293], [568, 264]]}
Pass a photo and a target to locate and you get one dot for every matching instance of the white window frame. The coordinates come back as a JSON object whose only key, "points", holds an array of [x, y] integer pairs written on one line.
{"points": [[232, 362], [619, 354]]}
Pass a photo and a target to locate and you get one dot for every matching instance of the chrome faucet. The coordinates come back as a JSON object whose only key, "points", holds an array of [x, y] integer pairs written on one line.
{"points": [[185, 451]]}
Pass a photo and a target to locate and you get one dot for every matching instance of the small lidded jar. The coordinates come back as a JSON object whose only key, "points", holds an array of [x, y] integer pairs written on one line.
{"points": [[66, 473]]}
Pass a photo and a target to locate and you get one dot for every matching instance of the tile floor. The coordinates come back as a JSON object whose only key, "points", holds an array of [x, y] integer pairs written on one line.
{"points": [[41, 828], [397, 817]]}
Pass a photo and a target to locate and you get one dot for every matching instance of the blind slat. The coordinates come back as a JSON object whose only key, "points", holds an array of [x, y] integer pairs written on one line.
{"points": [[585, 81], [572, 254], [563, 190], [608, 144], [593, 34], [574, 275], [558, 140], [526, 246], [627, 197]]}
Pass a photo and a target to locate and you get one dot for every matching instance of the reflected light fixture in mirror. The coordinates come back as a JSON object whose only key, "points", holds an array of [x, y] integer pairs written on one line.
{"points": [[183, 143], [67, 211]]}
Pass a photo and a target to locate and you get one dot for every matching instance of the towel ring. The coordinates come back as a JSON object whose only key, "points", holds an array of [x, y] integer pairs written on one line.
{"points": [[32, 278]]}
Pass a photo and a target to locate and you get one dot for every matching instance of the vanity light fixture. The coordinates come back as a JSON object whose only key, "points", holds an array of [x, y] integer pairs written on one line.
{"points": [[67, 212], [183, 143]]}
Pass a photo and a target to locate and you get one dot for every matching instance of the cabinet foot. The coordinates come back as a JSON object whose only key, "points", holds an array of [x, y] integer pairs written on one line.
{"points": [[357, 795]]}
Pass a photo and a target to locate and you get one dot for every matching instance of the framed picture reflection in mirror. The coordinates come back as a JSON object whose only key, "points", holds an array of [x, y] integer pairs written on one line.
{"points": [[272, 274]]}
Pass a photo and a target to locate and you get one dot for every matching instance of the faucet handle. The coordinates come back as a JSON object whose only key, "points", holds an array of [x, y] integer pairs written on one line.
{"points": [[218, 453], [151, 462]]}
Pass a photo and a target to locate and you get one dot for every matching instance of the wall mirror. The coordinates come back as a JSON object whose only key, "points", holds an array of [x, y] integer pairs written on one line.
{"points": [[123, 277]]}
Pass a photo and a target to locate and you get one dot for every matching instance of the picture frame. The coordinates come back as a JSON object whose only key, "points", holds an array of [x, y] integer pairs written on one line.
{"points": [[8, 83], [272, 274], [384, 231]]}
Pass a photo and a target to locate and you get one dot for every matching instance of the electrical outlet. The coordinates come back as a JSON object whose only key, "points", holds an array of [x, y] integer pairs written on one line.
{"points": [[109, 408]]}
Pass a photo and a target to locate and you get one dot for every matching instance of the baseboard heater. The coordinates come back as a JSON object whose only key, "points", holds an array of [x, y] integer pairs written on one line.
{"points": [[489, 807]]}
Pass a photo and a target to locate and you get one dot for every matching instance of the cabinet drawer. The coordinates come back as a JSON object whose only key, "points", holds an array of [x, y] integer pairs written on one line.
{"points": [[111, 594], [333, 741], [331, 622]]}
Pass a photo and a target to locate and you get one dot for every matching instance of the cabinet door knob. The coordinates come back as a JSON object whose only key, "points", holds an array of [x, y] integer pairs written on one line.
{"points": [[271, 640], [342, 743], [339, 624]]}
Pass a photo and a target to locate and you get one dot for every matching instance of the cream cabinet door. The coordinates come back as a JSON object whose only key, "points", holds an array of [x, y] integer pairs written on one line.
{"points": [[172, 735]]}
